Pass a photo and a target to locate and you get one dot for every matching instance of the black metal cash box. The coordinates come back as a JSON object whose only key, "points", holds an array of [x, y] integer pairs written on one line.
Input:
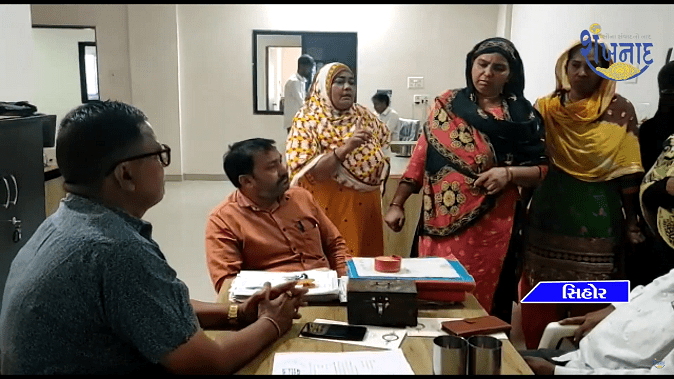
{"points": [[382, 302]]}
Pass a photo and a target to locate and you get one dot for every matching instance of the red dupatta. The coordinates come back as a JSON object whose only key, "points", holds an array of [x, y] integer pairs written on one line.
{"points": [[456, 154]]}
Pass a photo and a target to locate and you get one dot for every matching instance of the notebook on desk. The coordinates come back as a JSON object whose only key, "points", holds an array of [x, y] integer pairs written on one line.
{"points": [[474, 326]]}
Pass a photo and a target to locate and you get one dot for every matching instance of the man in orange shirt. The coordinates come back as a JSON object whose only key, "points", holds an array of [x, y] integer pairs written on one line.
{"points": [[264, 224]]}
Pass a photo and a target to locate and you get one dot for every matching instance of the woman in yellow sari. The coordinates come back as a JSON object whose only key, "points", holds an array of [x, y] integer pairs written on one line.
{"points": [[577, 230], [334, 150]]}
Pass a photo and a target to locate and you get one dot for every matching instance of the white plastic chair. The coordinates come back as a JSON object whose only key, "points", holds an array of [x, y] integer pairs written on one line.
{"points": [[555, 336]]}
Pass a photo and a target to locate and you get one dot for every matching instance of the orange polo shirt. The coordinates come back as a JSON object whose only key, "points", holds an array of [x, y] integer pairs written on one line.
{"points": [[294, 236]]}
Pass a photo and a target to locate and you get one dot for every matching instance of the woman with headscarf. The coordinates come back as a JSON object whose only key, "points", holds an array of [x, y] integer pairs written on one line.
{"points": [[334, 150], [480, 143], [653, 132], [656, 141], [576, 228]]}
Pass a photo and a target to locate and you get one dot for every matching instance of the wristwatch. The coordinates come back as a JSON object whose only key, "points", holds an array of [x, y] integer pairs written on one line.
{"points": [[233, 313]]}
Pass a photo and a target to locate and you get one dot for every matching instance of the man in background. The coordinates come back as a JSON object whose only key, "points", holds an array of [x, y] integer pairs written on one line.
{"points": [[295, 90], [386, 114]]}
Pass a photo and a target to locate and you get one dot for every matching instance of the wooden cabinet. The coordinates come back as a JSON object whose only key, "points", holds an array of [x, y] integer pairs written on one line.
{"points": [[22, 207]]}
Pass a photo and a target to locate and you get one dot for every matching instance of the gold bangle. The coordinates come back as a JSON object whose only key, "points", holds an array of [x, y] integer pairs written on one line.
{"points": [[278, 329]]}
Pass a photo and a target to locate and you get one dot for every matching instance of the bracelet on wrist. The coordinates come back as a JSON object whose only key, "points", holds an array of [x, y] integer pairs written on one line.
{"points": [[278, 329], [509, 174], [397, 205]]}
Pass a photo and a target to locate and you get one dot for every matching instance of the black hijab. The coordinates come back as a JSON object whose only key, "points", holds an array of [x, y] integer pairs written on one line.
{"points": [[654, 132], [518, 141]]}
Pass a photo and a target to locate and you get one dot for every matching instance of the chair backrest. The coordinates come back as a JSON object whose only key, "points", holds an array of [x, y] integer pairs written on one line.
{"points": [[409, 129]]}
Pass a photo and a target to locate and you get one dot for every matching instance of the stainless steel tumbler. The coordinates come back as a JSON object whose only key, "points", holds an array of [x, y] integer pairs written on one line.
{"points": [[450, 354], [484, 355]]}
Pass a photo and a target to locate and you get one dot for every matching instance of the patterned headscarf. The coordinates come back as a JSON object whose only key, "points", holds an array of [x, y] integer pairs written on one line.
{"points": [[318, 128], [517, 140], [593, 139]]}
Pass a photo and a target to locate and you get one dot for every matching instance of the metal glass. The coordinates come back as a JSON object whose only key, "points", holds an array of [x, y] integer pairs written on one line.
{"points": [[484, 355], [450, 354]]}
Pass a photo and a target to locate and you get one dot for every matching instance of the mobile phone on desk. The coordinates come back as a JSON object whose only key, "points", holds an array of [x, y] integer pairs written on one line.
{"points": [[334, 331]]}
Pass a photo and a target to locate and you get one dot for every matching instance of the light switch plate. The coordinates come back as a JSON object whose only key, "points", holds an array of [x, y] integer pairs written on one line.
{"points": [[415, 82], [420, 99]]}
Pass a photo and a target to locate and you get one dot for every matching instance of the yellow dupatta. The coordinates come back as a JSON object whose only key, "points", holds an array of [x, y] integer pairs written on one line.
{"points": [[578, 141], [318, 128]]}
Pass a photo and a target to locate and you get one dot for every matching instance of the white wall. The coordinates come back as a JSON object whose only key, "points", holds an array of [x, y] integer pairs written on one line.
{"points": [[112, 42], [57, 69], [16, 54], [542, 32], [503, 25], [153, 56], [394, 42]]}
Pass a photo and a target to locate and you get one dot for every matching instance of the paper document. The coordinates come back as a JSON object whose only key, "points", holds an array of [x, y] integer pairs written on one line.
{"points": [[388, 362], [376, 336], [432, 267], [247, 282]]}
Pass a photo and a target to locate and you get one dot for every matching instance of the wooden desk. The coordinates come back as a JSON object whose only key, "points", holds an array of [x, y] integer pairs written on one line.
{"points": [[417, 350]]}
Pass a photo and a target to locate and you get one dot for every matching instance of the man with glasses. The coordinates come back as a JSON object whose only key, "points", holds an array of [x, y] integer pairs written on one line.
{"points": [[91, 292]]}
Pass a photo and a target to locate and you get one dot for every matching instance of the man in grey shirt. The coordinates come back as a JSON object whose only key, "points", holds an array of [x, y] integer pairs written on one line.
{"points": [[91, 292]]}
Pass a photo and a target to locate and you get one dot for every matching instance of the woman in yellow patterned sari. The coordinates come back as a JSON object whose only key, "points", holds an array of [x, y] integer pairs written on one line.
{"points": [[334, 150], [576, 228]]}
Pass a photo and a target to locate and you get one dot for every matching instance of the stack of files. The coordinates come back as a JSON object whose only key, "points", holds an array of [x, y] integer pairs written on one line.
{"points": [[437, 279], [247, 282]]}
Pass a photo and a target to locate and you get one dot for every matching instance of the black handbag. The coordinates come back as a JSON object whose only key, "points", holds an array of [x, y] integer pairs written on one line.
{"points": [[20, 108]]}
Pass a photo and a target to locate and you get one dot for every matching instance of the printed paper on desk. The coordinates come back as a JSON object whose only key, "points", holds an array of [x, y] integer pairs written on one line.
{"points": [[247, 282], [432, 327], [376, 336], [431, 267], [387, 362]]}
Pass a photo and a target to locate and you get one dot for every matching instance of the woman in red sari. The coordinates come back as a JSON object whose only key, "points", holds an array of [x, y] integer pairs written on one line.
{"points": [[480, 144]]}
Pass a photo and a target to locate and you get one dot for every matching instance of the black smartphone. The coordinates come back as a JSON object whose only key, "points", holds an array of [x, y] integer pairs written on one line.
{"points": [[333, 331]]}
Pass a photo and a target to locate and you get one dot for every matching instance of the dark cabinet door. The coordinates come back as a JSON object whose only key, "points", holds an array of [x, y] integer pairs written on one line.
{"points": [[21, 186], [332, 47]]}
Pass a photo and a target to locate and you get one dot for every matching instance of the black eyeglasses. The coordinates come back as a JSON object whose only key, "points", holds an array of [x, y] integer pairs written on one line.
{"points": [[164, 157]]}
